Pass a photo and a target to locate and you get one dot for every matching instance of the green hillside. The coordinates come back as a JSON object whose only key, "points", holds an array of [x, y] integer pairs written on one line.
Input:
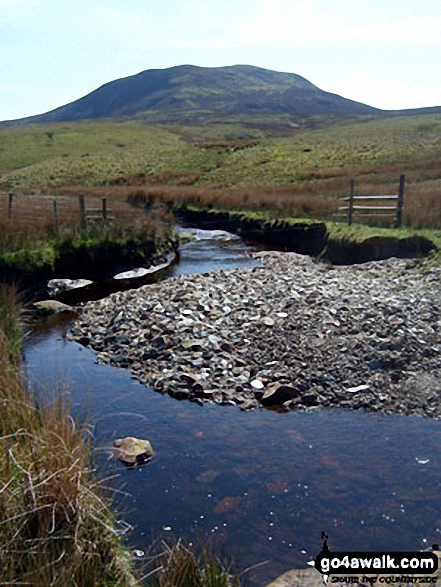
{"points": [[186, 91], [94, 154]]}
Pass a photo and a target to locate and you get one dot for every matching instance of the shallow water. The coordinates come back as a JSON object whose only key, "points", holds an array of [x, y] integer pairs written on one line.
{"points": [[262, 484]]}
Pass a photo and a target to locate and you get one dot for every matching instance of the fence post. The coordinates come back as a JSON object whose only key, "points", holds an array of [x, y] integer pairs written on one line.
{"points": [[400, 202], [54, 205], [351, 201], [11, 196], [104, 211], [82, 201]]}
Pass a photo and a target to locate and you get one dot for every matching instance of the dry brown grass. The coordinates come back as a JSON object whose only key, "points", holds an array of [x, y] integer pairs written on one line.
{"points": [[317, 196], [229, 146], [33, 219], [177, 565], [314, 199], [56, 527]]}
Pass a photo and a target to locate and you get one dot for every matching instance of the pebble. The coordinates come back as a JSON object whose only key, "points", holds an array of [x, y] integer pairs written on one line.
{"points": [[356, 337]]}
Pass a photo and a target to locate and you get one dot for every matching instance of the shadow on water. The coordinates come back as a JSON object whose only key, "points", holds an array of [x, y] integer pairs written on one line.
{"points": [[263, 485]]}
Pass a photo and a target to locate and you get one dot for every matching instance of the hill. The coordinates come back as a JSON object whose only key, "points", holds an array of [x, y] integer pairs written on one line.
{"points": [[178, 92]]}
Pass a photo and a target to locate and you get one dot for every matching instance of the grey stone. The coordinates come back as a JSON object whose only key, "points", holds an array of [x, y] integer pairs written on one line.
{"points": [[131, 450], [179, 393], [56, 286], [278, 394], [48, 307]]}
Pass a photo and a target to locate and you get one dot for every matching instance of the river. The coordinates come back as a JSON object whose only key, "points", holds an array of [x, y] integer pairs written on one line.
{"points": [[260, 485]]}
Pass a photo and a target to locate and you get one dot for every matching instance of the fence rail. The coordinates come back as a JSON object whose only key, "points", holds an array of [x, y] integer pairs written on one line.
{"points": [[16, 209], [93, 213], [395, 210]]}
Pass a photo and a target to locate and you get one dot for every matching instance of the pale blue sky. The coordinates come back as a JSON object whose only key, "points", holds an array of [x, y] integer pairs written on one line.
{"points": [[386, 53]]}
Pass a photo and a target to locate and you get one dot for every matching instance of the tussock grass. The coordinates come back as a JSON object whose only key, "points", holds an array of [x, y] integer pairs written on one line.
{"points": [[56, 527], [177, 565]]}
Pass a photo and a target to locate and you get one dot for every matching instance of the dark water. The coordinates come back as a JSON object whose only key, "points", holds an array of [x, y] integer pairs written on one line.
{"points": [[260, 484]]}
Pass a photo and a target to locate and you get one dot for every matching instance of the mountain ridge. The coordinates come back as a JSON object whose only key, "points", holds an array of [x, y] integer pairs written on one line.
{"points": [[189, 93], [229, 90]]}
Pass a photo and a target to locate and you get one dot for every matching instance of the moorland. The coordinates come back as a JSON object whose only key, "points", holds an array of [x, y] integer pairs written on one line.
{"points": [[276, 163]]}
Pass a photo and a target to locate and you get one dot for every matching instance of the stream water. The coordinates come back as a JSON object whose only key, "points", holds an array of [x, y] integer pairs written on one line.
{"points": [[260, 485]]}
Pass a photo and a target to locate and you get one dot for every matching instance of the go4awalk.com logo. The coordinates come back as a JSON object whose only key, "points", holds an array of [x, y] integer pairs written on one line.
{"points": [[376, 565]]}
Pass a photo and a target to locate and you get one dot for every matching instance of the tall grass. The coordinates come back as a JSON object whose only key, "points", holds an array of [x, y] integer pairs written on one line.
{"points": [[177, 565], [56, 526], [422, 206]]}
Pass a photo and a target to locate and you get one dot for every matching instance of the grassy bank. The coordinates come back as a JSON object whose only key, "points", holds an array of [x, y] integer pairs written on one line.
{"points": [[32, 242], [301, 210], [56, 524]]}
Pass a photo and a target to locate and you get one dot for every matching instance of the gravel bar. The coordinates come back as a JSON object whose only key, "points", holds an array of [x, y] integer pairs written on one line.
{"points": [[291, 333]]}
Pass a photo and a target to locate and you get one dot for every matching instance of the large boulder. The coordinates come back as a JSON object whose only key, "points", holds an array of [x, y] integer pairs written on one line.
{"points": [[278, 393], [133, 451], [57, 286]]}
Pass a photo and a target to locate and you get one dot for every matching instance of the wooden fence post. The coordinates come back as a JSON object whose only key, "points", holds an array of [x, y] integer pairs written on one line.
{"points": [[104, 211], [351, 201], [11, 196], [82, 201], [400, 203], [54, 205]]}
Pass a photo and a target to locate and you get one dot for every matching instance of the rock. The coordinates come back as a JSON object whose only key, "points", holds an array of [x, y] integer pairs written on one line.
{"points": [[143, 271], [358, 388], [140, 272], [310, 399], [56, 286], [179, 392], [278, 394], [193, 345], [298, 578], [48, 307], [268, 321], [226, 347], [208, 394], [188, 379], [133, 451]]}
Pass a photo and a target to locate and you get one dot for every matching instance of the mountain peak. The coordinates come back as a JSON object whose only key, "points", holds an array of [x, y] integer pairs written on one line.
{"points": [[227, 90]]}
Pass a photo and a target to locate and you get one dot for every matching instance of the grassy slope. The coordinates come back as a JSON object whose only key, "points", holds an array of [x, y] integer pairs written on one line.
{"points": [[310, 167], [96, 153], [80, 153]]}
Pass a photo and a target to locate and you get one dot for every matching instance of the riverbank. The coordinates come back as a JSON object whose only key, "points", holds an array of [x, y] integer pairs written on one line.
{"points": [[34, 251], [291, 334], [56, 523], [334, 242]]}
